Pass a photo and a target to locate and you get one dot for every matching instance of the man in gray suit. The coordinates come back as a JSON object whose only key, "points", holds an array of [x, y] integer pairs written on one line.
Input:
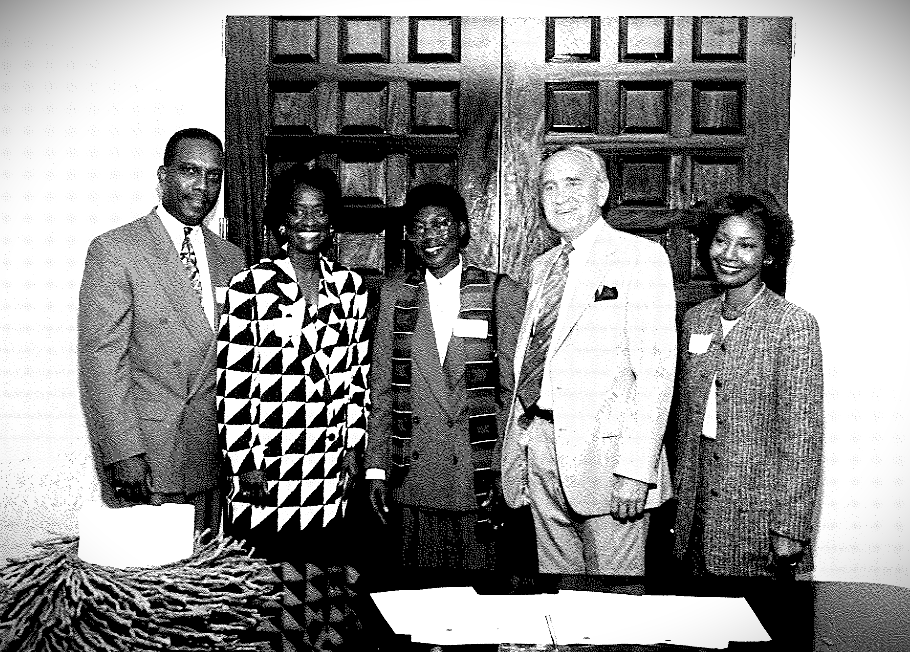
{"points": [[149, 306]]}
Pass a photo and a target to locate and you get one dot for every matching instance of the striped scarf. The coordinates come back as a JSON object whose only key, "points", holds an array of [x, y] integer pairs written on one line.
{"points": [[481, 375]]}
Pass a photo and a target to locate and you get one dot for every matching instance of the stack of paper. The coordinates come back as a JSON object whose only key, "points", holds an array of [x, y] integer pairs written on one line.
{"points": [[459, 616]]}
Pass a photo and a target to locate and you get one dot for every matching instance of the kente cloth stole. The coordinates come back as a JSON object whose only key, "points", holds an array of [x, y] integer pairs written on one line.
{"points": [[481, 374]]}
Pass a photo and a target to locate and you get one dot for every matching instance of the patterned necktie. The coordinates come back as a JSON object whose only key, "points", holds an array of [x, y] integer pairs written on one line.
{"points": [[188, 257], [531, 377]]}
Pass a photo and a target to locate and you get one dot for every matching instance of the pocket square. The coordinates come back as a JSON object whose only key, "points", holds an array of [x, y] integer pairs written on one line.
{"points": [[606, 293]]}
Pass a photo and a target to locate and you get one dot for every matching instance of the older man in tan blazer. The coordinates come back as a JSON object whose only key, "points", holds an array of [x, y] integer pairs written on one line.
{"points": [[595, 364]]}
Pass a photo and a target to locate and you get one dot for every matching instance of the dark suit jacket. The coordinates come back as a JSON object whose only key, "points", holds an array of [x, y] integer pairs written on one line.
{"points": [[147, 355], [769, 431], [441, 475]]}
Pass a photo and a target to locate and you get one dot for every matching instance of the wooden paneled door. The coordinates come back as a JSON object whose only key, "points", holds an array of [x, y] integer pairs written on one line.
{"points": [[386, 102], [679, 107]]}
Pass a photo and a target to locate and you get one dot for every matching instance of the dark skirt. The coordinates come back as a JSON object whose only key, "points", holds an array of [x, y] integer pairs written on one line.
{"points": [[435, 538], [319, 591]]}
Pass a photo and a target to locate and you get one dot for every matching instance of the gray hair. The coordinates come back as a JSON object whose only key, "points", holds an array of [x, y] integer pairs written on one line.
{"points": [[592, 157]]}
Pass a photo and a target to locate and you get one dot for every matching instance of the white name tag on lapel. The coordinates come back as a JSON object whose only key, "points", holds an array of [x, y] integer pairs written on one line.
{"points": [[220, 294], [471, 328], [699, 342]]}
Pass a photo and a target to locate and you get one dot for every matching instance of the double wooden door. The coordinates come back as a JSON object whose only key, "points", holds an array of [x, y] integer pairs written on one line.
{"points": [[680, 108]]}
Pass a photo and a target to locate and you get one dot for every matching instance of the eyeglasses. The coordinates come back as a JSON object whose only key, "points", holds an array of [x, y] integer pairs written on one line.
{"points": [[196, 172], [419, 229], [312, 212]]}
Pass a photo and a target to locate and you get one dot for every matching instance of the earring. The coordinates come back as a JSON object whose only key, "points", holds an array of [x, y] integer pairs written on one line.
{"points": [[768, 260], [282, 229]]}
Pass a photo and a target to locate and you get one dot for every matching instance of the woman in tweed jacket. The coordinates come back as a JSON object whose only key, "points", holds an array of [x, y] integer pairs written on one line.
{"points": [[292, 407], [750, 414]]}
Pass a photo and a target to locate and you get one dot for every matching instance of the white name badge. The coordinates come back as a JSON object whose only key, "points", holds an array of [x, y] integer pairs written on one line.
{"points": [[220, 294], [699, 342], [471, 328]]}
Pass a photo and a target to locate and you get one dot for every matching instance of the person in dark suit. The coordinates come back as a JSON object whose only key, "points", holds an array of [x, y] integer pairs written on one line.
{"points": [[750, 418], [595, 363], [150, 299], [442, 370]]}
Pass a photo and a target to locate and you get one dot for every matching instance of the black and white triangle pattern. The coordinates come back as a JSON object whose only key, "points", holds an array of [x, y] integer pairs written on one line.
{"points": [[292, 391]]}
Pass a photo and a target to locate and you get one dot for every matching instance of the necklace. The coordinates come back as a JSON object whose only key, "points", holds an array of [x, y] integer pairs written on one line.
{"points": [[731, 313]]}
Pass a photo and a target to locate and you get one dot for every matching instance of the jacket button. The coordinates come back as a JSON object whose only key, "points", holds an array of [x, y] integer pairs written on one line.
{"points": [[714, 492], [716, 457], [717, 383], [723, 347], [454, 459], [176, 363], [451, 422], [163, 320], [415, 455], [415, 419]]}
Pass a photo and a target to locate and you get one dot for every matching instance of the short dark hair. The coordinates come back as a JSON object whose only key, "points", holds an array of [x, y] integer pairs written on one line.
{"points": [[442, 195], [766, 213], [282, 187], [170, 150]]}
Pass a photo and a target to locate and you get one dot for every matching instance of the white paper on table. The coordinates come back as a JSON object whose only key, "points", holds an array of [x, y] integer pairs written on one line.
{"points": [[459, 616], [704, 621]]}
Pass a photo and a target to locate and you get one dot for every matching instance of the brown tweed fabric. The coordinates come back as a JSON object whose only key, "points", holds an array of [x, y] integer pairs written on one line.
{"points": [[766, 462]]}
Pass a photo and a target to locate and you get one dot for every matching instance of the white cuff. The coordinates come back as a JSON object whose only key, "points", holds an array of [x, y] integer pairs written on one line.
{"points": [[375, 474]]}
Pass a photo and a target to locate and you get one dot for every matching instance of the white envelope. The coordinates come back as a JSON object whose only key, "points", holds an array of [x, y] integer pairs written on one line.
{"points": [[471, 328], [220, 294], [699, 342]]}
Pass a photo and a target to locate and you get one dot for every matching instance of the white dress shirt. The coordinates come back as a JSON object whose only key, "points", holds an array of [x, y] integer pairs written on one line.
{"points": [[582, 246], [444, 295], [174, 228]]}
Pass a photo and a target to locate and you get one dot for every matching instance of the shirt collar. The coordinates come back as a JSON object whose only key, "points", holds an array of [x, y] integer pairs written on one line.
{"points": [[452, 278], [584, 243], [174, 227]]}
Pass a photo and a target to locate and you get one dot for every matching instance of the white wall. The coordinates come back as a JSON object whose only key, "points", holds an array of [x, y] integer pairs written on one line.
{"points": [[89, 96]]}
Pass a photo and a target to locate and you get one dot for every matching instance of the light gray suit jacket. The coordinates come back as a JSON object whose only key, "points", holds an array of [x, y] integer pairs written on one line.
{"points": [[611, 367], [147, 355]]}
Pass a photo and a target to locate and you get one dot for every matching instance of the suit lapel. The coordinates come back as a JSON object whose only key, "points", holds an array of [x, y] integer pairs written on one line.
{"points": [[583, 297], [425, 353], [175, 281]]}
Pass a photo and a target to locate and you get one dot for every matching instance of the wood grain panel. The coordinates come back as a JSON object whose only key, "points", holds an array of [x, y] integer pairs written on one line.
{"points": [[362, 182], [715, 175], [246, 95], [572, 107], [362, 251], [644, 107], [434, 39], [523, 232], [640, 180], [294, 40], [717, 107], [434, 108], [645, 38], [719, 38], [294, 111], [573, 39], [363, 39], [364, 108], [432, 171]]}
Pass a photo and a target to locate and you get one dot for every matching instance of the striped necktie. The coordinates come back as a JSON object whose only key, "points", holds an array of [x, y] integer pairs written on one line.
{"points": [[531, 377], [188, 257]]}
